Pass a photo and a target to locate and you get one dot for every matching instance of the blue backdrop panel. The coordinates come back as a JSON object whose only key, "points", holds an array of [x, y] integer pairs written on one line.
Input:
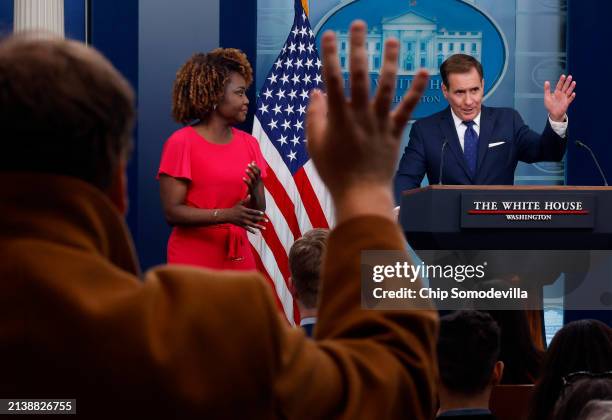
{"points": [[588, 26], [113, 30], [238, 29], [75, 19], [6, 17]]}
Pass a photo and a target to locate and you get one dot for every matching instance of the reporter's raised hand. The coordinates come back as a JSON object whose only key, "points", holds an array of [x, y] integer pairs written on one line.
{"points": [[354, 142]]}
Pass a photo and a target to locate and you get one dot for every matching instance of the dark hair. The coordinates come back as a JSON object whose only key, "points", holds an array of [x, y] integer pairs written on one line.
{"points": [[64, 109], [201, 81], [522, 360], [576, 396], [459, 63], [468, 348], [305, 258], [584, 345]]}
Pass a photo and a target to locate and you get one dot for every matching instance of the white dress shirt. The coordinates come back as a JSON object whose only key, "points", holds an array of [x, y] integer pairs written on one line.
{"points": [[558, 127]]}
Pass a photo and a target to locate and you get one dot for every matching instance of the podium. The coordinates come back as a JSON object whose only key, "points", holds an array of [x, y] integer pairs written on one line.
{"points": [[544, 231], [439, 217]]}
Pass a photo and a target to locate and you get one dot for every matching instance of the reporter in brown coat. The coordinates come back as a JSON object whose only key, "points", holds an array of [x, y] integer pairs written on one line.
{"points": [[76, 321]]}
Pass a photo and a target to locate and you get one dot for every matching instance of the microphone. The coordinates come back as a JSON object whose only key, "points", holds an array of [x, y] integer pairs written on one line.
{"points": [[601, 172], [442, 160]]}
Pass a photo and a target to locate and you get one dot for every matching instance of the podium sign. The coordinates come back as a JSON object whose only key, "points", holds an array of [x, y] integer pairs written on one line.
{"points": [[528, 210], [475, 217]]}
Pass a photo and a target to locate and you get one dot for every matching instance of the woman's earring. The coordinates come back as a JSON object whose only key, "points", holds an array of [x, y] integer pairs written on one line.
{"points": [[214, 107]]}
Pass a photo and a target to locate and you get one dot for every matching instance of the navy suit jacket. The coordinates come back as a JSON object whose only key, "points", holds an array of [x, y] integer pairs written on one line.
{"points": [[496, 162]]}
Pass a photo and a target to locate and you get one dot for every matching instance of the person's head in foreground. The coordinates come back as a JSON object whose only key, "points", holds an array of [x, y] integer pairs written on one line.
{"points": [[468, 351], [65, 110], [77, 320], [305, 259], [580, 346]]}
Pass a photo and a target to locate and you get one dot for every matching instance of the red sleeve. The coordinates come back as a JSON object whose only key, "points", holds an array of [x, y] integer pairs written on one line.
{"points": [[176, 157]]}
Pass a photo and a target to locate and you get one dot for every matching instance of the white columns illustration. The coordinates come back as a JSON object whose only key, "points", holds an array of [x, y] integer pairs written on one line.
{"points": [[42, 15]]}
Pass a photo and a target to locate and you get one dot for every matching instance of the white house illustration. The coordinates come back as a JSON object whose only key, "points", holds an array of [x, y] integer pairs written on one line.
{"points": [[422, 44]]}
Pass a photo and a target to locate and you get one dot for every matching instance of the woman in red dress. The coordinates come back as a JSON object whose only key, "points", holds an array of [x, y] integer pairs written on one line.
{"points": [[210, 173]]}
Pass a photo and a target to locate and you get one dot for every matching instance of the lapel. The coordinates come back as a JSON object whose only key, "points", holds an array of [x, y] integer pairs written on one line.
{"points": [[486, 130], [447, 125]]}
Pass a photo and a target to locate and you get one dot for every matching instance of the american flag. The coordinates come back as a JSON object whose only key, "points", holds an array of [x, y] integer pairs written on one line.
{"points": [[296, 199]]}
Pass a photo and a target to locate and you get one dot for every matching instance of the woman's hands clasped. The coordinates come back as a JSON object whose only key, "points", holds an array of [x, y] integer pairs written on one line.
{"points": [[240, 215]]}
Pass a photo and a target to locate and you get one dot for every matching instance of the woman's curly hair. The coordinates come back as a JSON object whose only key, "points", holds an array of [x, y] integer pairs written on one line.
{"points": [[200, 82]]}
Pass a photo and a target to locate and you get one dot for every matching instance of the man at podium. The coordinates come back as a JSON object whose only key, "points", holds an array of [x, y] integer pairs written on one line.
{"points": [[471, 144]]}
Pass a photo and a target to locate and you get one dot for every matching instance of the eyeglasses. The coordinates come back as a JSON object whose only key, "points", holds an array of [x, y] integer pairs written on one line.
{"points": [[575, 376]]}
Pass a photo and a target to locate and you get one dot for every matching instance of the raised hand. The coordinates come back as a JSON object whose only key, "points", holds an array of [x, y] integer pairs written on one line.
{"points": [[354, 142], [558, 101]]}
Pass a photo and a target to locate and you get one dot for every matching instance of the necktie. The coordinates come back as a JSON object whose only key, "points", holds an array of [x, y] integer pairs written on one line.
{"points": [[470, 146]]}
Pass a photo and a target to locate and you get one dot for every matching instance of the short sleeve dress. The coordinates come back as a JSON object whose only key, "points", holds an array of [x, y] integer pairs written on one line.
{"points": [[214, 173]]}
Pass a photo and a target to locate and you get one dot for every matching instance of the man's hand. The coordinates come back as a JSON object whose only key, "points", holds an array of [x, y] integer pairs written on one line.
{"points": [[355, 143], [558, 101]]}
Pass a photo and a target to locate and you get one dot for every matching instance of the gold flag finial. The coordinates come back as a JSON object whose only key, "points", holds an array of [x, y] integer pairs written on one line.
{"points": [[305, 6]]}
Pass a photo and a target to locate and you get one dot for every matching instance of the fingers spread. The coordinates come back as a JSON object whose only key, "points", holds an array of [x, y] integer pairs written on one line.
{"points": [[358, 62], [402, 113], [332, 76], [386, 81]]}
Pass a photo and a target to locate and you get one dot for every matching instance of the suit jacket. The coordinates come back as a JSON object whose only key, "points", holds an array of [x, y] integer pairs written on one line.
{"points": [[504, 140], [77, 321]]}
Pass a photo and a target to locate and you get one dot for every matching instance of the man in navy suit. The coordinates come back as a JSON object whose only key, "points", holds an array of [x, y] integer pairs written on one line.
{"points": [[480, 145]]}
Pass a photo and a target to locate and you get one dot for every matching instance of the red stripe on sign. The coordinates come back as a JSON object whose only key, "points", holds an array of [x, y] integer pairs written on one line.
{"points": [[310, 200], [583, 212]]}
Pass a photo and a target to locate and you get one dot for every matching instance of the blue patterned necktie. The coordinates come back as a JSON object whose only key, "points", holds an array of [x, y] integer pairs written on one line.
{"points": [[470, 146]]}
